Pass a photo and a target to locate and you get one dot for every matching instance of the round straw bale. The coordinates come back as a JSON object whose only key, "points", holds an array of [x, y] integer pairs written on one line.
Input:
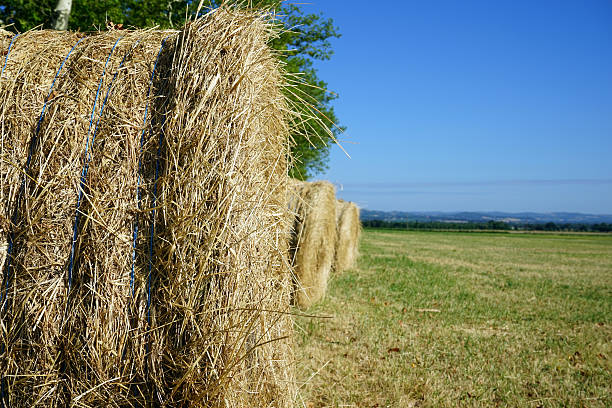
{"points": [[314, 239], [349, 230], [148, 265]]}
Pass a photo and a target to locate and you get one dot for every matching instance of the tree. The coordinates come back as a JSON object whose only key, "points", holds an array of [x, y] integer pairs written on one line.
{"points": [[62, 14], [303, 39]]}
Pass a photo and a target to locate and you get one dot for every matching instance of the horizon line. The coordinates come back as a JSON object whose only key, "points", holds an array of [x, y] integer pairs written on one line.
{"points": [[485, 212]]}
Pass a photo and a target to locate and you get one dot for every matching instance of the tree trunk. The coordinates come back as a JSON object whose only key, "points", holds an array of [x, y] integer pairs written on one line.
{"points": [[62, 14]]}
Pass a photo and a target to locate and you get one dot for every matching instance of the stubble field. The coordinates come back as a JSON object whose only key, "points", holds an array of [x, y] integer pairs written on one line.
{"points": [[442, 319]]}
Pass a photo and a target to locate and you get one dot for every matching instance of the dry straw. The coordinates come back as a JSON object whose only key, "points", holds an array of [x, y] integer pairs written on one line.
{"points": [[147, 229], [349, 230], [314, 239]]}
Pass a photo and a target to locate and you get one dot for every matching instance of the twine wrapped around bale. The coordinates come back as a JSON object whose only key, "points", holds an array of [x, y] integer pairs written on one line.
{"points": [[143, 203], [314, 239], [349, 231]]}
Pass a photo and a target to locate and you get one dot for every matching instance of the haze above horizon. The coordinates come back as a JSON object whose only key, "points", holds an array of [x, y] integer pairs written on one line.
{"points": [[473, 106]]}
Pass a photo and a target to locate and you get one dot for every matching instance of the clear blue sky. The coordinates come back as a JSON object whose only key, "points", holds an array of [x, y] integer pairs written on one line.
{"points": [[473, 105]]}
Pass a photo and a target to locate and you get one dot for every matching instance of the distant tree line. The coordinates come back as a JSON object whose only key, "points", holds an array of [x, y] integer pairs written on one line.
{"points": [[487, 226]]}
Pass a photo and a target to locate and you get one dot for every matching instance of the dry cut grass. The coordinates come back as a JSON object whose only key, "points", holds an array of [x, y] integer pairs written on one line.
{"points": [[437, 319]]}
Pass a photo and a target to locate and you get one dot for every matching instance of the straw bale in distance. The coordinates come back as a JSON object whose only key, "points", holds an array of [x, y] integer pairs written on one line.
{"points": [[349, 231], [314, 239], [213, 157]]}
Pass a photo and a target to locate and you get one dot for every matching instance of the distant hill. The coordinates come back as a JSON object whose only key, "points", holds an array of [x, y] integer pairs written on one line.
{"points": [[512, 218]]}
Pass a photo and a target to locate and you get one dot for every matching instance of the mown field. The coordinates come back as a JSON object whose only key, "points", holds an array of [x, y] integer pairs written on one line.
{"points": [[442, 319]]}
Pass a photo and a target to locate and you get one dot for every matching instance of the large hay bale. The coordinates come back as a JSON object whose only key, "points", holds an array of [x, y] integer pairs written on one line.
{"points": [[314, 239], [147, 228], [349, 231]]}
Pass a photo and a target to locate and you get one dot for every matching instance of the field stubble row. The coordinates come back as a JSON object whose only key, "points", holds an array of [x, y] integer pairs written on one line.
{"points": [[430, 319]]}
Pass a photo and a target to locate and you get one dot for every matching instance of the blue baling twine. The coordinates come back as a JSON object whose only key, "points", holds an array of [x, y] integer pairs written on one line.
{"points": [[138, 195], [26, 170], [109, 90], [87, 159], [7, 54]]}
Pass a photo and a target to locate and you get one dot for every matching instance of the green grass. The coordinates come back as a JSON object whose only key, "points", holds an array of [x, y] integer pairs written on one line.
{"points": [[444, 319]]}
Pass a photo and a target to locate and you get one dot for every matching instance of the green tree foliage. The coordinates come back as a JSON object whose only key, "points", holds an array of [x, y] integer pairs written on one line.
{"points": [[303, 39]]}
